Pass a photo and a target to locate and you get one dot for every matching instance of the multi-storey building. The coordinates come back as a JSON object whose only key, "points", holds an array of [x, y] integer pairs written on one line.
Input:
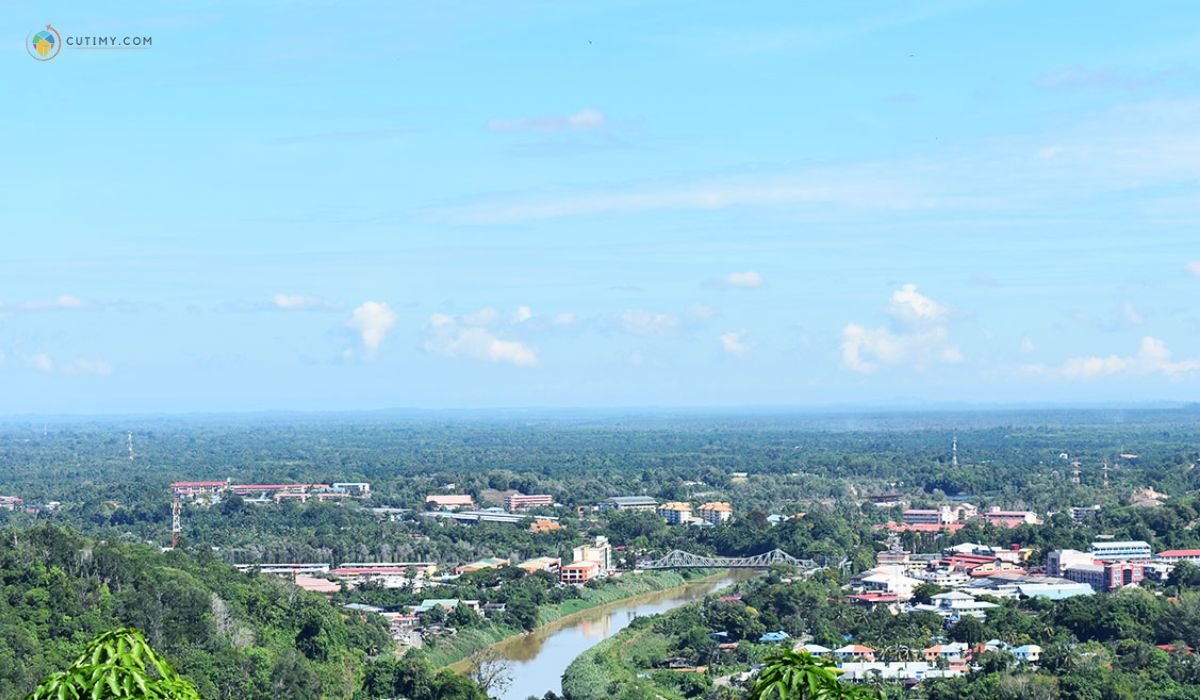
{"points": [[1120, 551], [520, 501], [629, 503], [676, 513], [1059, 560], [716, 512], [930, 516], [1106, 576]]}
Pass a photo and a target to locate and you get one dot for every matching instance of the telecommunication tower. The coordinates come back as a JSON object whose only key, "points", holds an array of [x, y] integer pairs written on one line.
{"points": [[129, 444], [176, 520], [954, 452], [1105, 472]]}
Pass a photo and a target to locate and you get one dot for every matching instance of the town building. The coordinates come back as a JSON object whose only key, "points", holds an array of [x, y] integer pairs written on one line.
{"points": [[954, 605], [197, 489], [600, 551], [1174, 556], [1120, 551], [1081, 514], [322, 586], [488, 563], [1059, 560], [1107, 575], [629, 503], [544, 525], [355, 489], [1027, 653], [451, 501], [715, 512], [930, 516], [1009, 518], [579, 572], [520, 501], [855, 652], [676, 513], [550, 564]]}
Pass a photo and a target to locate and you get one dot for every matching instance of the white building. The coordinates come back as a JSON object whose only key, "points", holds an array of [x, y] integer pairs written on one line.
{"points": [[1059, 560], [1119, 551], [957, 604]]}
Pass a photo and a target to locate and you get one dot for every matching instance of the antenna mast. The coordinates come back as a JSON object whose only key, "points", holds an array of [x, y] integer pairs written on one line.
{"points": [[176, 520]]}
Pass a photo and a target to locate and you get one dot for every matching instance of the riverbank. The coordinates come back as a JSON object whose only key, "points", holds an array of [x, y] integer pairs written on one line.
{"points": [[629, 588]]}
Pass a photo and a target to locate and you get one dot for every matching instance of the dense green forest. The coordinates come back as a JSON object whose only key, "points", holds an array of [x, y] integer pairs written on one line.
{"points": [[233, 635]]}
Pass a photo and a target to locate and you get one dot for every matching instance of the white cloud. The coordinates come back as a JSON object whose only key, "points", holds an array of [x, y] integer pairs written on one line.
{"points": [[373, 320], [1027, 346], [1193, 268], [565, 318], [1131, 314], [450, 339], [523, 314], [912, 307], [919, 336], [45, 364], [64, 301], [586, 119], [94, 368], [1152, 358], [42, 363], [647, 323], [734, 343], [700, 312], [743, 280], [483, 317], [300, 302]]}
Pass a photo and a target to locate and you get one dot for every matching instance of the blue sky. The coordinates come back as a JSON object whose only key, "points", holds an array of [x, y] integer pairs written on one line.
{"points": [[307, 205]]}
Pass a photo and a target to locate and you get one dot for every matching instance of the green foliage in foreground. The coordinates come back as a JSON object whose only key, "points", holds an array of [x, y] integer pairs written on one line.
{"points": [[233, 635], [789, 675], [117, 664]]}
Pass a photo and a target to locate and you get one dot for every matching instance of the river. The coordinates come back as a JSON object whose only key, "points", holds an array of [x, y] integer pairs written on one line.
{"points": [[539, 658]]}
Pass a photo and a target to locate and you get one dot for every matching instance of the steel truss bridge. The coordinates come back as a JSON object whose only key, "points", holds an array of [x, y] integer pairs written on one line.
{"points": [[679, 559]]}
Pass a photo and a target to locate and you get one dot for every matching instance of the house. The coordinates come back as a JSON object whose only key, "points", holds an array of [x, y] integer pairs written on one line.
{"points": [[622, 503], [715, 512], [519, 501], [909, 671], [954, 605], [579, 572], [488, 563], [446, 604], [812, 649], [322, 586], [544, 525], [676, 513], [954, 653], [451, 501], [550, 564], [855, 652], [1027, 653], [887, 579], [779, 636]]}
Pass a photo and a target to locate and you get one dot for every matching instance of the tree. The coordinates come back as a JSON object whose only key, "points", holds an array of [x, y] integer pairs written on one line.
{"points": [[490, 671], [117, 664], [789, 675]]}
